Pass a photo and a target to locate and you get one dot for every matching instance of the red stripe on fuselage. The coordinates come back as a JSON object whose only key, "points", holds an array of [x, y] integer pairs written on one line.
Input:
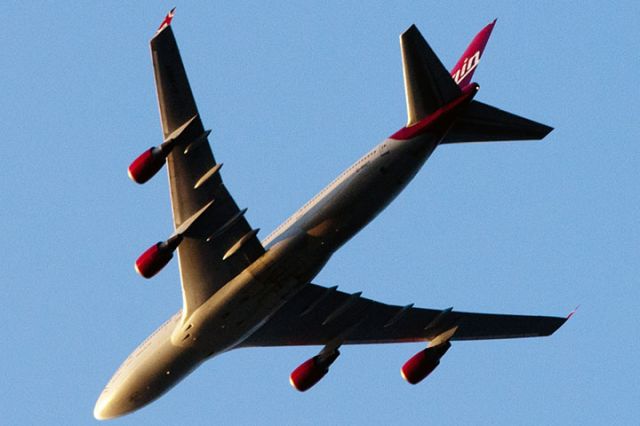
{"points": [[437, 118]]}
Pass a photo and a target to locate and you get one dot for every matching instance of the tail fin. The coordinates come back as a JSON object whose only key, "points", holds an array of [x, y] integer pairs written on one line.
{"points": [[463, 71], [429, 86], [427, 83]]}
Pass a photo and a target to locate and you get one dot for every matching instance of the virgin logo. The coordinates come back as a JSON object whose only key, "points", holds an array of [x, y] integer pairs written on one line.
{"points": [[467, 67]]}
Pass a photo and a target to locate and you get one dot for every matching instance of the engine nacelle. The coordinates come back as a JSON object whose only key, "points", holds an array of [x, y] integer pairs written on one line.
{"points": [[157, 256], [423, 363], [311, 371], [151, 161], [148, 164]]}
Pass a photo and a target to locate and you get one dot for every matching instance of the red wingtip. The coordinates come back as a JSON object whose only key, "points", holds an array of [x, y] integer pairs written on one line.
{"points": [[167, 19], [572, 312]]}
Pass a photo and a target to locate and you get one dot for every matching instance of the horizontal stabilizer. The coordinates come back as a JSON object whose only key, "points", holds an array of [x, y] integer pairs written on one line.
{"points": [[484, 123], [427, 83]]}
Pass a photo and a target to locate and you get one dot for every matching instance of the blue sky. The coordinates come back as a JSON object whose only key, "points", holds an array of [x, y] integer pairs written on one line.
{"points": [[294, 94]]}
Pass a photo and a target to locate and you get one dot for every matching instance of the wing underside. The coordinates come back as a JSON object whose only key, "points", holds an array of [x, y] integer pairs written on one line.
{"points": [[318, 315], [221, 244]]}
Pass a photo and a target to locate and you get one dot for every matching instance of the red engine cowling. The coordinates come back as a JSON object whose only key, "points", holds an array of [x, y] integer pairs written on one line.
{"points": [[147, 164], [423, 363], [156, 257], [311, 371]]}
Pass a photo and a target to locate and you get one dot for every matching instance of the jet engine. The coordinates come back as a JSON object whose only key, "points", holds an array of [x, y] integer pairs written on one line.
{"points": [[148, 164], [312, 370], [151, 161], [423, 363], [157, 256]]}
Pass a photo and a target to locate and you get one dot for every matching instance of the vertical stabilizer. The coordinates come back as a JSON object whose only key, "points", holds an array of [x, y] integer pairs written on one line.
{"points": [[427, 83], [463, 71]]}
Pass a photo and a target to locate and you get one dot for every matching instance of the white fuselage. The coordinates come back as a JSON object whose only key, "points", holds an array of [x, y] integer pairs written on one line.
{"points": [[295, 252]]}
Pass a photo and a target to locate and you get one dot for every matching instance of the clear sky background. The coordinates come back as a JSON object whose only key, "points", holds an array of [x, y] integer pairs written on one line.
{"points": [[295, 94]]}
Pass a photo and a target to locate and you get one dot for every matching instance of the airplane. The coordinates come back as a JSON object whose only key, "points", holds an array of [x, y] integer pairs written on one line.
{"points": [[241, 292]]}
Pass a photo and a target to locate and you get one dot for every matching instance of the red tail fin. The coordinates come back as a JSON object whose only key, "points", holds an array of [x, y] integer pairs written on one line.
{"points": [[463, 71]]}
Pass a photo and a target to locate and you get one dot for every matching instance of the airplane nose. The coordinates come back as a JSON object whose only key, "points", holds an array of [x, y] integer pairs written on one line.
{"points": [[109, 406], [103, 409], [152, 369]]}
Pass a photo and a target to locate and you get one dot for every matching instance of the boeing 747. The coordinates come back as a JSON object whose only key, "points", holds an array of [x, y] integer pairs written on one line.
{"points": [[241, 292]]}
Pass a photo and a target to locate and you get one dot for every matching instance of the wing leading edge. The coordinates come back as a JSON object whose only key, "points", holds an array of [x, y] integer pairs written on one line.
{"points": [[221, 243], [317, 315]]}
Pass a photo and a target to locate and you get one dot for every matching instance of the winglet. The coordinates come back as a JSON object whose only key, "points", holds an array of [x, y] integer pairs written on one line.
{"points": [[572, 312], [167, 20]]}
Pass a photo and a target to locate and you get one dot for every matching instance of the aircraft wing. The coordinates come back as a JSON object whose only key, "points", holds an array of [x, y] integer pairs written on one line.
{"points": [[319, 315], [221, 244]]}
